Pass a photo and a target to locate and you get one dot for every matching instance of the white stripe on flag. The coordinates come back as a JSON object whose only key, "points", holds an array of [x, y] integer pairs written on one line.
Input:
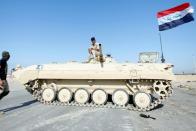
{"points": [[175, 16], [191, 10]]}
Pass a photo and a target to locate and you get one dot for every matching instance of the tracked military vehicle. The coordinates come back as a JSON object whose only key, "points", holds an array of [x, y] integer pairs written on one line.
{"points": [[101, 82]]}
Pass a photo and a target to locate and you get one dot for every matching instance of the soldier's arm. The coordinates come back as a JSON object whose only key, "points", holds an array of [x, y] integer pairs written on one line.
{"points": [[2, 63]]}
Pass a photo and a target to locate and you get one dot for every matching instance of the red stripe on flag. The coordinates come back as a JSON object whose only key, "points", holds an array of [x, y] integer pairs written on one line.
{"points": [[173, 10]]}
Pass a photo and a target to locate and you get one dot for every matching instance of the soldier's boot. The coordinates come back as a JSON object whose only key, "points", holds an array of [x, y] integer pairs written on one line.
{"points": [[5, 93]]}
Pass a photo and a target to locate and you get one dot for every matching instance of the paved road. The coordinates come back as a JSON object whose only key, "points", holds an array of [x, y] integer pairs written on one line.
{"points": [[23, 113]]}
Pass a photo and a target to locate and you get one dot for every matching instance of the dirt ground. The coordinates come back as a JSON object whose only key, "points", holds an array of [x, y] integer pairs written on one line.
{"points": [[23, 113]]}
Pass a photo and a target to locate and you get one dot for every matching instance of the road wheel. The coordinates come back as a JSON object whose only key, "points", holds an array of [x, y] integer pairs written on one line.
{"points": [[120, 97], [64, 95], [99, 97], [48, 94], [81, 96], [142, 99]]}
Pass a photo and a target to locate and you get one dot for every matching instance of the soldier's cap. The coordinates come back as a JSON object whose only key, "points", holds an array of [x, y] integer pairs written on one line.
{"points": [[93, 39], [5, 54]]}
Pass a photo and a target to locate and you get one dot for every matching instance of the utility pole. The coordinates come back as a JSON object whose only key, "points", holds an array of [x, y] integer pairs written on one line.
{"points": [[162, 56], [194, 64]]}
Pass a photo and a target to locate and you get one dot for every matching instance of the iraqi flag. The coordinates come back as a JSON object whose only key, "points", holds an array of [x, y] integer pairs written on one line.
{"points": [[175, 16]]}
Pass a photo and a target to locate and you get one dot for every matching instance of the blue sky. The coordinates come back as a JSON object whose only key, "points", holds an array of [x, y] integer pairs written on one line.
{"points": [[44, 31]]}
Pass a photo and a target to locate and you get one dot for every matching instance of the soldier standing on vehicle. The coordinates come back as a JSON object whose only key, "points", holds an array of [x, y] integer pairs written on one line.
{"points": [[4, 88]]}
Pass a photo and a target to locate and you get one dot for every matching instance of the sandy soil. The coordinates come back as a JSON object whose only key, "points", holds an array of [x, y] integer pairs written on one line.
{"points": [[185, 81], [23, 113]]}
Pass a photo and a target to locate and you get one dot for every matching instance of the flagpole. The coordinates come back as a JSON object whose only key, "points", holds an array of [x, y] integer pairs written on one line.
{"points": [[162, 56]]}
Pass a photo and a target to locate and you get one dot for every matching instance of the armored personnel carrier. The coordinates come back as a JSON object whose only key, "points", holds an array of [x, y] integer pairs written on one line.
{"points": [[100, 82]]}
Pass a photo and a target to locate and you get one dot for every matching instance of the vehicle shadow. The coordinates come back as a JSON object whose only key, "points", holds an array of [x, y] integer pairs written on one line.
{"points": [[19, 106]]}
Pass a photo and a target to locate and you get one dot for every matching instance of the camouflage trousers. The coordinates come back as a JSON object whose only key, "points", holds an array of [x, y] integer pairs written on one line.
{"points": [[4, 87]]}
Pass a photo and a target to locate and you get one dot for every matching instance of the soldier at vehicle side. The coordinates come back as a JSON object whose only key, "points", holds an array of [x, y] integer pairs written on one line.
{"points": [[4, 88]]}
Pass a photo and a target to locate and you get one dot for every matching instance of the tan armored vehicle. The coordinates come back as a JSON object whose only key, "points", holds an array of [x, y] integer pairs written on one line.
{"points": [[100, 82]]}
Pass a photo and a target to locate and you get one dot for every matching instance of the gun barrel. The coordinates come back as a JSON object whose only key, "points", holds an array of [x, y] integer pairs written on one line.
{"points": [[101, 55]]}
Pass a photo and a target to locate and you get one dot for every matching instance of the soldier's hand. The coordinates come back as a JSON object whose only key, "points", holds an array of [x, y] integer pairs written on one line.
{"points": [[1, 82]]}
